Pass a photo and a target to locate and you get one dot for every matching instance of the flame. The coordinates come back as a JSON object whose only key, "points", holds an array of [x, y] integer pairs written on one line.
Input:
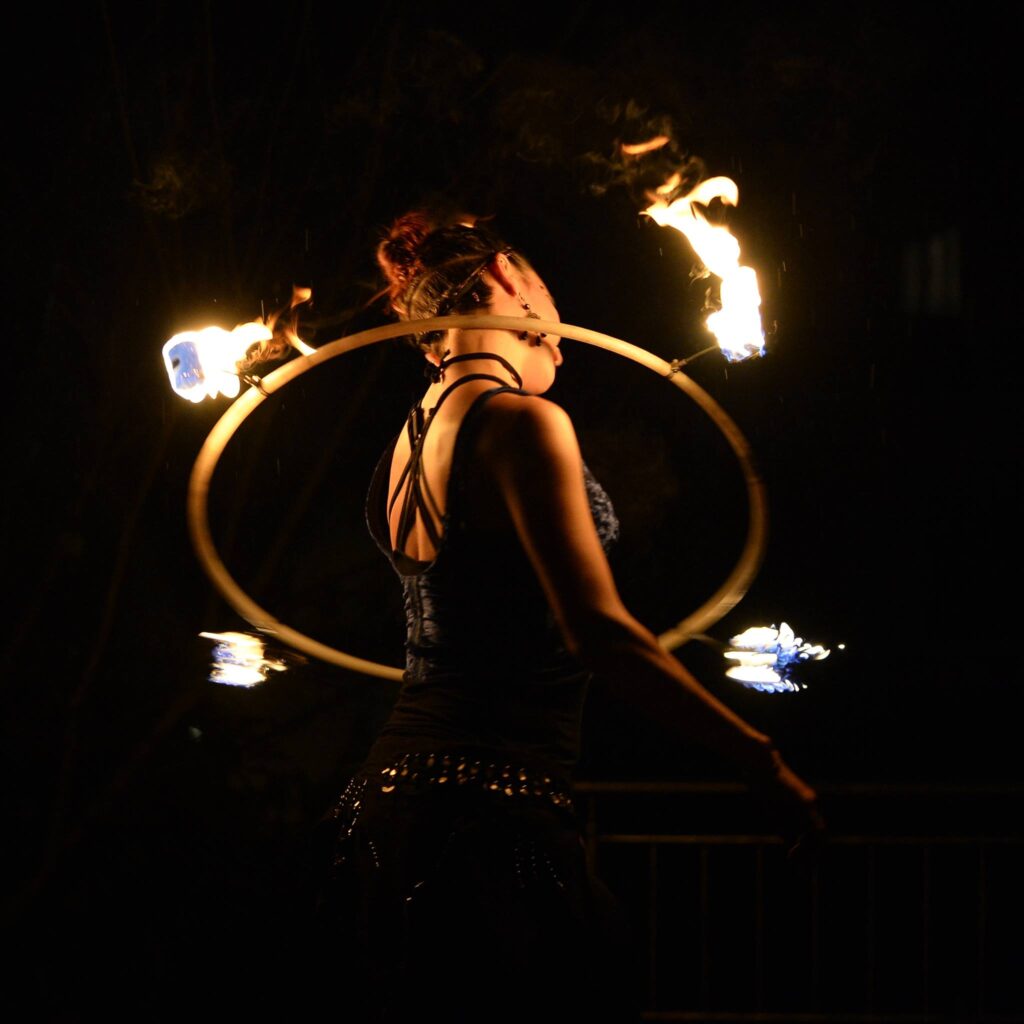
{"points": [[300, 296], [761, 677], [202, 364], [737, 325], [639, 148], [765, 657], [670, 186], [239, 659]]}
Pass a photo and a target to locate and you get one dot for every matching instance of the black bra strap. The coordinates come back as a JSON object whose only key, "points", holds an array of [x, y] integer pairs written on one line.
{"points": [[418, 494]]}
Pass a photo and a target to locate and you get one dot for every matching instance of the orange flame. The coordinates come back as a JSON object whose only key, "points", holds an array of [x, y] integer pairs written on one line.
{"points": [[204, 363], [737, 325], [639, 148], [670, 186], [300, 295]]}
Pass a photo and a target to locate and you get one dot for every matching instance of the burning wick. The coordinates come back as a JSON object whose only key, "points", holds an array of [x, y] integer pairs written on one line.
{"points": [[204, 363], [764, 658], [239, 659], [737, 325]]}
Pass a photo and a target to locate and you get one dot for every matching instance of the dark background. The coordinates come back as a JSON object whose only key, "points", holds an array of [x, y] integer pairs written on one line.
{"points": [[174, 165]]}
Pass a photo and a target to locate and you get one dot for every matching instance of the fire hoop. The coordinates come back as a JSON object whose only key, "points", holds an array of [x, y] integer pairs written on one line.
{"points": [[726, 597]]}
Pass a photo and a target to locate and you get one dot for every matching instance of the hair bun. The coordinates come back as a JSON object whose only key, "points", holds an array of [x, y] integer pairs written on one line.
{"points": [[428, 258], [399, 255]]}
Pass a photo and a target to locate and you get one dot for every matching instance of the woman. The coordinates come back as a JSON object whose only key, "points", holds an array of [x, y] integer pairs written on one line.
{"points": [[460, 885]]}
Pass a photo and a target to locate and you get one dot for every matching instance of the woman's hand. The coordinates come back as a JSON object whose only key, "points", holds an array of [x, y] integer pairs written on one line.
{"points": [[792, 804]]}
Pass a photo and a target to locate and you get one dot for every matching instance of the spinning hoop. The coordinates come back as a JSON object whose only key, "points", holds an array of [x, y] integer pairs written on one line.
{"points": [[727, 596]]}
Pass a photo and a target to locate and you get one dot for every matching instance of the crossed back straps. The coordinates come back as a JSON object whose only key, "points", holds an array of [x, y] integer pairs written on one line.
{"points": [[418, 497]]}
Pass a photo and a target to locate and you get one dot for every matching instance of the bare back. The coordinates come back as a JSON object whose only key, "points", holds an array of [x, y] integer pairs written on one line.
{"points": [[435, 455]]}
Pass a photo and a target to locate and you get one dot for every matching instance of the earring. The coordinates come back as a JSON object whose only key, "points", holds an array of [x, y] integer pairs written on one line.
{"points": [[523, 335]]}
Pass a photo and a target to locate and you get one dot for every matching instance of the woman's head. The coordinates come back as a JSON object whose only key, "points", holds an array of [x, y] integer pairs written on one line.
{"points": [[436, 268], [460, 266]]}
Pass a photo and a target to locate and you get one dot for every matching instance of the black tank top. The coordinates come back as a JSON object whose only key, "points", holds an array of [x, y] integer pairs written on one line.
{"points": [[486, 667]]}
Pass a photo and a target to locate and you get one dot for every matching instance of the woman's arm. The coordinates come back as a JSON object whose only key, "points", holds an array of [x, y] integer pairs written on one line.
{"points": [[530, 448]]}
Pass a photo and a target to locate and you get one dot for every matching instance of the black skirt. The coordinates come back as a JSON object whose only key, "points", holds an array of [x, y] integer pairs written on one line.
{"points": [[457, 889]]}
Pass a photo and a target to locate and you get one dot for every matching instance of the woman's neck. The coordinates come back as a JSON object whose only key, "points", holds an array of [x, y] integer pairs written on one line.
{"points": [[489, 352]]}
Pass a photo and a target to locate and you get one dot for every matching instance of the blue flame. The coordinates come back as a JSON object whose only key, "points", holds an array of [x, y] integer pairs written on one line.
{"points": [[764, 657], [749, 350], [239, 659]]}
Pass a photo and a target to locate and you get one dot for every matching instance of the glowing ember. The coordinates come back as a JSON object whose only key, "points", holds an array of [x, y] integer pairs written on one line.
{"points": [[239, 659], [203, 364], [737, 325], [764, 658]]}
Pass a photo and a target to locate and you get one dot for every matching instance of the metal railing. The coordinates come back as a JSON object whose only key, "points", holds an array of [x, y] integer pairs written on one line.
{"points": [[912, 909]]}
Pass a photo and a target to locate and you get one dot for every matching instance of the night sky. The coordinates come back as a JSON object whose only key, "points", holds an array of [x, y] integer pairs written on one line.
{"points": [[173, 166]]}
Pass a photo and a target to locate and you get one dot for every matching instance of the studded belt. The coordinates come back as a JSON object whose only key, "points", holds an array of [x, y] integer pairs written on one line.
{"points": [[503, 778], [507, 780]]}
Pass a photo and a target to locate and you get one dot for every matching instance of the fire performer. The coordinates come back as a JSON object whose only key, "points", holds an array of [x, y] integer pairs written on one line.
{"points": [[459, 887]]}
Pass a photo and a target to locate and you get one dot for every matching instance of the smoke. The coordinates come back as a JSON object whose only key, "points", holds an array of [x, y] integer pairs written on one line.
{"points": [[548, 112], [179, 183], [644, 152]]}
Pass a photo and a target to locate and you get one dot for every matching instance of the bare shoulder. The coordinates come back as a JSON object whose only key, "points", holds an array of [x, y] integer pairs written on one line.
{"points": [[527, 425]]}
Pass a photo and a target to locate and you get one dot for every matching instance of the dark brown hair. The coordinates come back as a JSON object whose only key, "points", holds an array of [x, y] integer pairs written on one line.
{"points": [[434, 268]]}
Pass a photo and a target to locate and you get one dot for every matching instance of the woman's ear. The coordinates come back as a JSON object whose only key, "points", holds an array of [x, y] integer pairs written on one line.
{"points": [[500, 268]]}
